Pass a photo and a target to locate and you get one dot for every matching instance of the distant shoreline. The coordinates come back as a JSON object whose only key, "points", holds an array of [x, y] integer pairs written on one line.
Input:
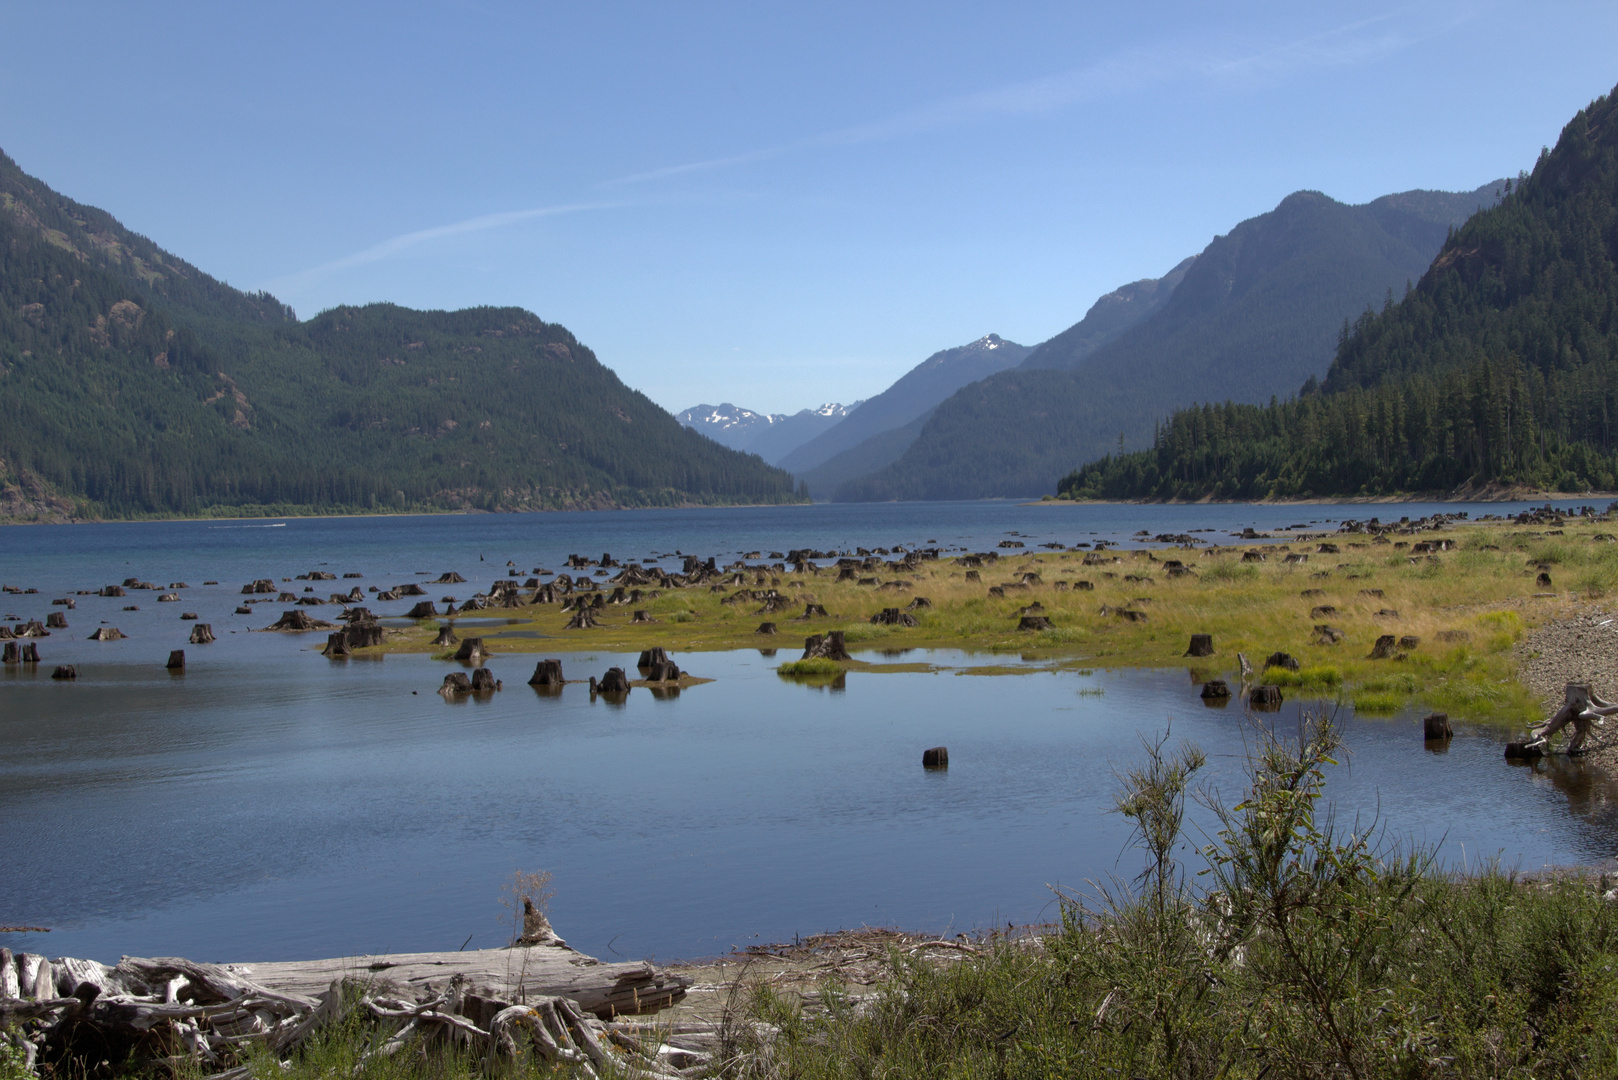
{"points": [[1348, 500]]}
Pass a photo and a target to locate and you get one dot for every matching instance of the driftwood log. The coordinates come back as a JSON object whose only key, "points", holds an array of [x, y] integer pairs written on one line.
{"points": [[1582, 707], [548, 1003]]}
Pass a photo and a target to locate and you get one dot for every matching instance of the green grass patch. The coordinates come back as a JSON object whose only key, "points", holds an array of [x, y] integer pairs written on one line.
{"points": [[1318, 676], [815, 666]]}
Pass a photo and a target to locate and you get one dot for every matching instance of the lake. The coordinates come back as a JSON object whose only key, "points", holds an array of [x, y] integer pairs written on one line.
{"points": [[270, 804]]}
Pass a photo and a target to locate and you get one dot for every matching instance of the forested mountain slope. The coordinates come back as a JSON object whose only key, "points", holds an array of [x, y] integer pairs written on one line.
{"points": [[1501, 366], [1255, 314], [133, 383]]}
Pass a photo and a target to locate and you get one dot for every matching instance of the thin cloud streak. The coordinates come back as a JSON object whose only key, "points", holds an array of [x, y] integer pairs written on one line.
{"points": [[1125, 72], [405, 241]]}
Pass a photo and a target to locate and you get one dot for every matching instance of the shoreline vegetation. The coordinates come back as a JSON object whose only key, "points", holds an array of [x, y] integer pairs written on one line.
{"points": [[1378, 615]]}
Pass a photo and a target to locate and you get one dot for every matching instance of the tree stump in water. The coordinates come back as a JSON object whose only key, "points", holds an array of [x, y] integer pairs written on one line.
{"points": [[1384, 647], [613, 682], [336, 646], [30, 652], [423, 610], [1201, 645], [484, 682], [1265, 698], [1436, 726], [1281, 660], [829, 646], [176, 660], [11, 655], [1216, 690], [300, 621], [63, 672], [202, 634], [547, 673], [765, 628], [56, 621], [107, 633], [456, 682], [1525, 749], [662, 671], [446, 634], [471, 649], [936, 758], [651, 656], [364, 635], [1034, 622]]}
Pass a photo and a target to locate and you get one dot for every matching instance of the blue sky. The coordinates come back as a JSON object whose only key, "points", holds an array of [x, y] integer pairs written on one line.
{"points": [[770, 204]]}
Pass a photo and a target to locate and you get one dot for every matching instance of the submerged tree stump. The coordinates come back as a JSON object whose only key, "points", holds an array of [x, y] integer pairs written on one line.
{"points": [[613, 682], [64, 672], [648, 657], [1216, 689], [1201, 645], [336, 646], [484, 682], [107, 633], [1435, 726], [1265, 698], [472, 649], [829, 646], [202, 634], [547, 673], [176, 660], [935, 758], [56, 621]]}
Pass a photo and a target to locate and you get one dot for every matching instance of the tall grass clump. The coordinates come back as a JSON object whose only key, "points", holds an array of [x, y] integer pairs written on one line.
{"points": [[818, 665], [1305, 949]]}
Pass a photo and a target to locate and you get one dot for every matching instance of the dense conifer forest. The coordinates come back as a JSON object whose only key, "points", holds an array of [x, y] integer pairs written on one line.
{"points": [[1499, 367], [133, 384]]}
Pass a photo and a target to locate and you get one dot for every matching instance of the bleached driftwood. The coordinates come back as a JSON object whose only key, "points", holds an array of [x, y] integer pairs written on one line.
{"points": [[547, 1001]]}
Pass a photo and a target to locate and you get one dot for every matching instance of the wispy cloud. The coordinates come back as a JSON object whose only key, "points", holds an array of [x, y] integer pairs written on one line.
{"points": [[1352, 44], [405, 241]]}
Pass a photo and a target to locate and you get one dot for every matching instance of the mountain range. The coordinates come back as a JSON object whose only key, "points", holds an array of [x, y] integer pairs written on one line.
{"points": [[1252, 316], [133, 383], [772, 436], [1500, 368]]}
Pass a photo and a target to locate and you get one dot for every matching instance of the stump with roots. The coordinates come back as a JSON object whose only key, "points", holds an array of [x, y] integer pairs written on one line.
{"points": [[812, 611], [765, 628], [613, 682], [1034, 622], [446, 634], [1281, 660], [1582, 707], [583, 618], [642, 617], [1201, 645], [336, 646], [472, 649], [828, 646], [661, 671], [423, 610], [107, 633], [1265, 698], [894, 617]]}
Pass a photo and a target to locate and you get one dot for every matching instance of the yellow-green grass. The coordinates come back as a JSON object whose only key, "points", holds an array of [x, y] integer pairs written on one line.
{"points": [[1482, 596]]}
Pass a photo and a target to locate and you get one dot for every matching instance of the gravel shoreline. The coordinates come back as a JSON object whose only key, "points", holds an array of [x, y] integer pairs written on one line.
{"points": [[1581, 648]]}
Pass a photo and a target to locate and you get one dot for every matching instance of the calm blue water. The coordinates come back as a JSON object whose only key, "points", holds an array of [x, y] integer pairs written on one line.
{"points": [[269, 804]]}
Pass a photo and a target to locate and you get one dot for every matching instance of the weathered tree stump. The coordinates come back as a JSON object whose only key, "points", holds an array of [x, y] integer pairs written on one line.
{"points": [[812, 611], [1543, 581], [613, 682], [1525, 749], [56, 621], [662, 671], [1281, 660], [829, 646], [422, 610], [1409, 641], [765, 628], [1265, 698], [648, 657], [1326, 634], [547, 673], [1216, 690], [446, 634], [107, 633], [484, 682], [472, 649], [935, 758], [300, 621], [583, 618], [1384, 647], [1322, 611], [202, 634], [1034, 622], [917, 603], [336, 646], [642, 617], [1436, 726], [973, 575], [894, 617], [176, 660], [456, 682], [1201, 645], [64, 672], [11, 655]]}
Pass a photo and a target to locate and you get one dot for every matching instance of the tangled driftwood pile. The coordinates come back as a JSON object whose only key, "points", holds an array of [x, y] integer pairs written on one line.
{"points": [[546, 1003]]}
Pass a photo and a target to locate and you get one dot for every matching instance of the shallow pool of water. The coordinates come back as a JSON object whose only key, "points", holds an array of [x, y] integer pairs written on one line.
{"points": [[270, 804]]}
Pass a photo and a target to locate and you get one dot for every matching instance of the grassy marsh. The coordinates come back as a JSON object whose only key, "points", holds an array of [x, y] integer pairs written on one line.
{"points": [[1467, 607]]}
